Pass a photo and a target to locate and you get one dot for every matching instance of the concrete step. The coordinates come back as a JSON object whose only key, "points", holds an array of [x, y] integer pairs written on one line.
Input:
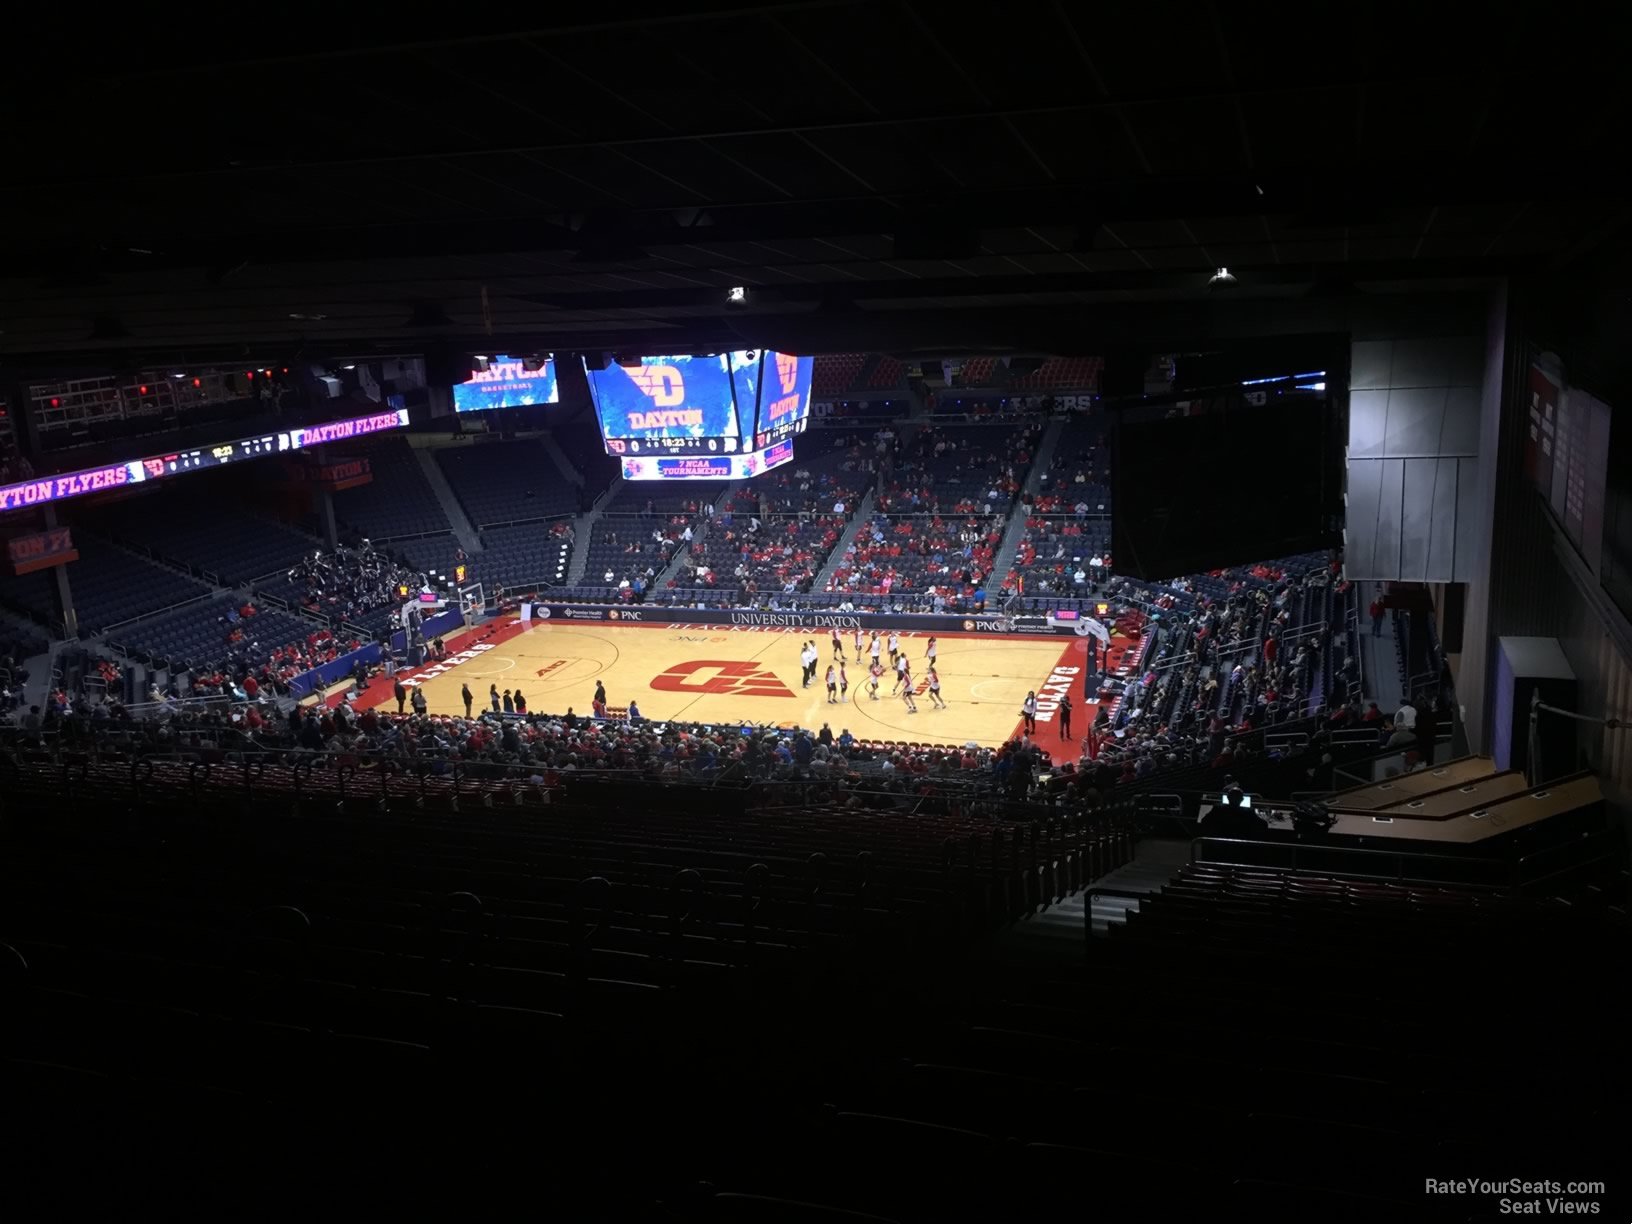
{"points": [[463, 529]]}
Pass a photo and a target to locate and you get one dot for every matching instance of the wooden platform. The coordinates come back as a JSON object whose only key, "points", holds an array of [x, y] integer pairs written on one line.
{"points": [[715, 674], [1371, 796]]}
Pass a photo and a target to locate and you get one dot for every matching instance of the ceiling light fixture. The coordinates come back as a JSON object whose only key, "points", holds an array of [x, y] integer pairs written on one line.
{"points": [[737, 295], [1221, 278]]}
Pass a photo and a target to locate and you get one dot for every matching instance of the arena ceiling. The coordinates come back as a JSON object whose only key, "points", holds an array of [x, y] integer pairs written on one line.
{"points": [[877, 173]]}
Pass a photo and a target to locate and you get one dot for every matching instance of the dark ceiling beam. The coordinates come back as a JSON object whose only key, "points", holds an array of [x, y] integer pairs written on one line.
{"points": [[829, 295], [202, 56], [1322, 201], [983, 324], [1287, 93]]}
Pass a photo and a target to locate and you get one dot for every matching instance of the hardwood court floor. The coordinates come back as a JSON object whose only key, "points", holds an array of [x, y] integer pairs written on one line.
{"points": [[716, 674]]}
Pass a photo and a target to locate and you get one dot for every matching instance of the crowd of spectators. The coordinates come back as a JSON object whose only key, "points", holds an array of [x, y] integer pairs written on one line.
{"points": [[350, 583], [1059, 555], [1080, 472], [804, 493], [957, 469], [540, 748], [634, 551], [946, 561], [748, 556], [1215, 667], [248, 667]]}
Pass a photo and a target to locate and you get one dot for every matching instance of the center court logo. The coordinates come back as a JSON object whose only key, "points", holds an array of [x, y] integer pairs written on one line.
{"points": [[721, 676]]}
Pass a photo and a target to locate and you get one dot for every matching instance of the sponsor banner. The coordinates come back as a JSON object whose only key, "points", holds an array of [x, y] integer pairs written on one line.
{"points": [[948, 403], [137, 471], [751, 618], [711, 467], [343, 474], [41, 550], [793, 620]]}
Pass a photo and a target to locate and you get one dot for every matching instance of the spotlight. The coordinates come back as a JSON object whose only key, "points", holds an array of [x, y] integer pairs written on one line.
{"points": [[1221, 278], [478, 364], [532, 365], [177, 374], [737, 295]]}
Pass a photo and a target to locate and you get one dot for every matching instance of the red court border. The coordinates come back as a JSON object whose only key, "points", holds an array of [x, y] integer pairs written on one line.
{"points": [[1049, 733]]}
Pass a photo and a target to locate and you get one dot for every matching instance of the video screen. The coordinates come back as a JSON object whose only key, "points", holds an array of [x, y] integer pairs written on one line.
{"points": [[784, 396], [707, 467], [745, 380], [506, 384], [676, 397]]}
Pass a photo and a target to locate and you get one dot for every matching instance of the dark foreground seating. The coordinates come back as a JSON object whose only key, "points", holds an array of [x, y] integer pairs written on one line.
{"points": [[637, 1000]]}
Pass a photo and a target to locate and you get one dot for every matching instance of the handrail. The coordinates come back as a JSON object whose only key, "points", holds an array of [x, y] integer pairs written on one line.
{"points": [[1328, 848], [185, 603], [1305, 631], [141, 709], [1125, 893]]}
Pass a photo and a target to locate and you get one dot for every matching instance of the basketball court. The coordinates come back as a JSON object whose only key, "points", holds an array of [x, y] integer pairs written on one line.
{"points": [[730, 674]]}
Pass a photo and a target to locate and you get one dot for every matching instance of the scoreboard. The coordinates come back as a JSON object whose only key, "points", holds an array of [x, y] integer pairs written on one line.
{"points": [[707, 467], [682, 404], [701, 403], [44, 489], [784, 398], [507, 383]]}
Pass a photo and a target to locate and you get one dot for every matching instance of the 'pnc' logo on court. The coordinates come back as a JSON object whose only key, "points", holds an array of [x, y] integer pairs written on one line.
{"points": [[721, 676]]}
